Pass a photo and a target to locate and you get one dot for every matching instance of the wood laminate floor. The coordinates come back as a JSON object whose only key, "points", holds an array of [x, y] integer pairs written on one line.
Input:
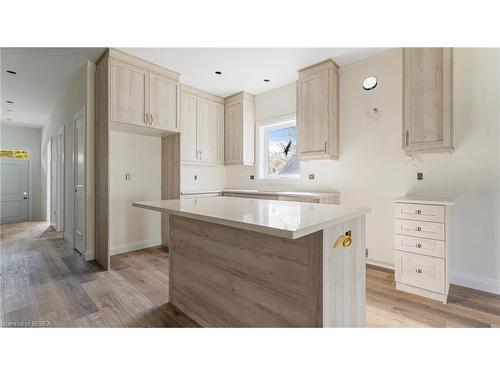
{"points": [[44, 282]]}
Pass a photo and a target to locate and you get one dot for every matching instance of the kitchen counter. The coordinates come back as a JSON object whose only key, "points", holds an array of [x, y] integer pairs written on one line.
{"points": [[241, 262], [311, 197], [278, 218]]}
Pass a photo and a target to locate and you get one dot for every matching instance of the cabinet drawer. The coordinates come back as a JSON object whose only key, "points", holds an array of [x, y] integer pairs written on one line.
{"points": [[421, 229], [426, 212], [420, 271], [417, 245]]}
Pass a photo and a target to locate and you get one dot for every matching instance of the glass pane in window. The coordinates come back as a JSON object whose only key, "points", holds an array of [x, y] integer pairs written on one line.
{"points": [[282, 152]]}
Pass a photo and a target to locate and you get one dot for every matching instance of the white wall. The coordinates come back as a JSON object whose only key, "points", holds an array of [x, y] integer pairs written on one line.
{"points": [[78, 95], [208, 177], [134, 228], [22, 138], [372, 169]]}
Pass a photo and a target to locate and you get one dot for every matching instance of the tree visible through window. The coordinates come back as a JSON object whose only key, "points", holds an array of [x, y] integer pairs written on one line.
{"points": [[282, 157]]}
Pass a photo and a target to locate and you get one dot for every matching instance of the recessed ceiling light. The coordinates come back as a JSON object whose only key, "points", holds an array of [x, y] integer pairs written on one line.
{"points": [[369, 83], [9, 101], [218, 72], [267, 80], [11, 72]]}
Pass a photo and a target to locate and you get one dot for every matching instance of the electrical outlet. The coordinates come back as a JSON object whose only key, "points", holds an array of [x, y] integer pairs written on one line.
{"points": [[311, 176], [420, 176], [195, 176], [127, 176]]}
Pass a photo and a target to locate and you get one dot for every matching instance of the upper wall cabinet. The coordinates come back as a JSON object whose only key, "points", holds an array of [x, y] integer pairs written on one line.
{"points": [[142, 94], [239, 143], [427, 100], [202, 127], [317, 111]]}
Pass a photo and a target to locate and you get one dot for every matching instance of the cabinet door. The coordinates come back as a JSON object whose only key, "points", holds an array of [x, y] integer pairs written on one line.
{"points": [[313, 115], [427, 100], [233, 123], [164, 100], [129, 94], [189, 145]]}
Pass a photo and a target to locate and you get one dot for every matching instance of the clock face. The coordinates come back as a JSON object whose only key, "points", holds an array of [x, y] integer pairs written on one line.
{"points": [[370, 83]]}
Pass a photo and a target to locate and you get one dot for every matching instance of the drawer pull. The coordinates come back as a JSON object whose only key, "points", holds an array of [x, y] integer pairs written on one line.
{"points": [[418, 229], [419, 245], [418, 212], [418, 270]]}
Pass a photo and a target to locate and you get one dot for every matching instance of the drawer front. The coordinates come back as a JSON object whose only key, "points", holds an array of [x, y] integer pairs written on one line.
{"points": [[423, 229], [417, 245], [420, 271], [426, 212]]}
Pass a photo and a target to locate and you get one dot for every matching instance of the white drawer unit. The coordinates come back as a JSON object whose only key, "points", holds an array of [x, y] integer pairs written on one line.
{"points": [[422, 243]]}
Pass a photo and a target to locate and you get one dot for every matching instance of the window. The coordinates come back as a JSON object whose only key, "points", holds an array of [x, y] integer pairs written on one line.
{"points": [[277, 149], [14, 154]]}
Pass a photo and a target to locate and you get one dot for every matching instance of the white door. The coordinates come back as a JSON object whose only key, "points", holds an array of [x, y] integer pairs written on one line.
{"points": [[53, 183], [79, 209], [14, 194]]}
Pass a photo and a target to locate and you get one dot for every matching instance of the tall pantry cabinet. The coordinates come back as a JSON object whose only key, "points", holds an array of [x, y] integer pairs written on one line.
{"points": [[133, 96]]}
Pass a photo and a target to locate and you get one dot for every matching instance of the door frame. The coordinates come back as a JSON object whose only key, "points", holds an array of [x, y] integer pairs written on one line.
{"points": [[76, 116], [31, 174]]}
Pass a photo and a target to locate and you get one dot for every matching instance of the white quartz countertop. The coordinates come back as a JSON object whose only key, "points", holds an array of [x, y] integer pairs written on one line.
{"points": [[446, 201], [267, 192], [279, 218]]}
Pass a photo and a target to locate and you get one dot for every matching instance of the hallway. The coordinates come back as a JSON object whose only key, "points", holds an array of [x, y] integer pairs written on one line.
{"points": [[43, 283]]}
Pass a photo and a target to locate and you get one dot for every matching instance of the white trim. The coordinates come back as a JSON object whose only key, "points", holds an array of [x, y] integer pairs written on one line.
{"points": [[261, 141], [379, 264], [484, 284], [135, 245]]}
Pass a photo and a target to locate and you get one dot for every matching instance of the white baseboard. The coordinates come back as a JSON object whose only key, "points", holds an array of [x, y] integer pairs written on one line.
{"points": [[379, 264], [68, 237], [132, 246], [485, 284]]}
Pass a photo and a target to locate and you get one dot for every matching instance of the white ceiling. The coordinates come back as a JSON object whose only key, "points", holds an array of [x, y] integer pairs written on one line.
{"points": [[244, 68], [44, 74]]}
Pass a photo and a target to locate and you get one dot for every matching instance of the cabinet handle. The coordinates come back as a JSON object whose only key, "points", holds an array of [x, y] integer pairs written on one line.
{"points": [[151, 115], [406, 139], [418, 270], [325, 146], [146, 120]]}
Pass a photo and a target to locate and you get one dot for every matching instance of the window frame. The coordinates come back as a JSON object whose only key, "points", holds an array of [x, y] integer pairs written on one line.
{"points": [[262, 146]]}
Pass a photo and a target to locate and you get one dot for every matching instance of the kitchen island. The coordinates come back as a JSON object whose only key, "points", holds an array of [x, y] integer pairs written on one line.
{"points": [[237, 262]]}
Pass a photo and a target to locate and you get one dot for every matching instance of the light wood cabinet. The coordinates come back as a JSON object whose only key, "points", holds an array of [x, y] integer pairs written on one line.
{"points": [[141, 97], [202, 127], [164, 102], [422, 243], [129, 99], [427, 100], [239, 137], [317, 111]]}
